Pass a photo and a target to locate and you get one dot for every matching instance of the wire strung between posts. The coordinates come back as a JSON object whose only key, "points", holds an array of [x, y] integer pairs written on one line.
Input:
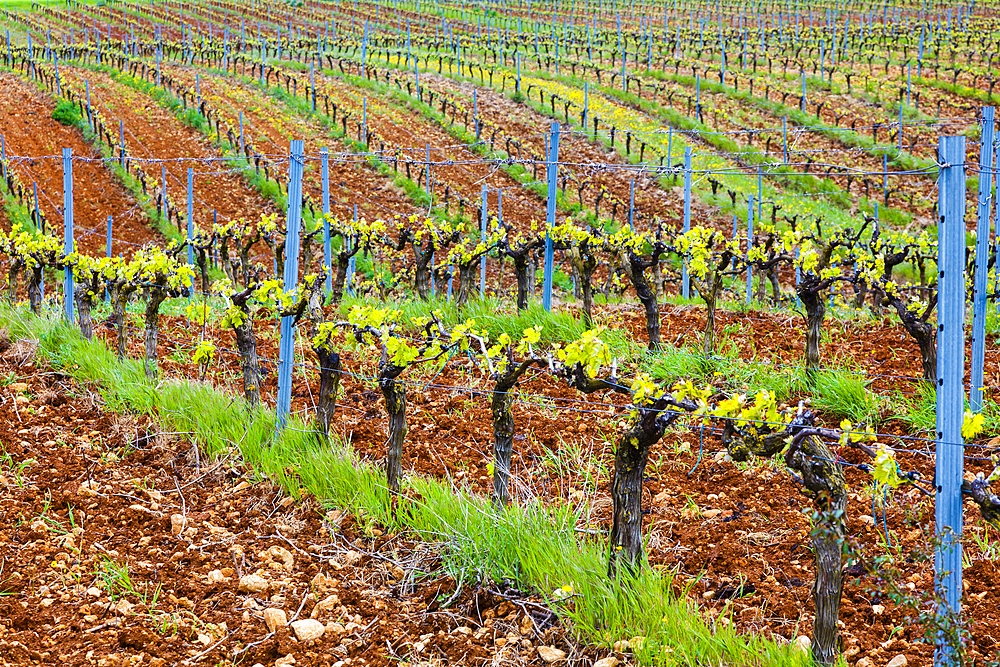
{"points": [[608, 411]]}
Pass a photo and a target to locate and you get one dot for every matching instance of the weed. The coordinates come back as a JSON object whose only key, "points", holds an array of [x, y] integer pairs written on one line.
{"points": [[843, 394], [66, 112]]}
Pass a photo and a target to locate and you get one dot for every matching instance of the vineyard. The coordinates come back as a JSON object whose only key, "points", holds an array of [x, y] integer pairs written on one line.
{"points": [[577, 332]]}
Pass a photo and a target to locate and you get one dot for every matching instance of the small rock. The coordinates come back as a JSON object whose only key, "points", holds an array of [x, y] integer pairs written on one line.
{"points": [[867, 520], [274, 619], [864, 662], [216, 577], [324, 605], [851, 652], [898, 661], [178, 522], [352, 557], [804, 643], [610, 661], [550, 653], [284, 662], [94, 591], [877, 609], [284, 555], [308, 629], [711, 514], [253, 583]]}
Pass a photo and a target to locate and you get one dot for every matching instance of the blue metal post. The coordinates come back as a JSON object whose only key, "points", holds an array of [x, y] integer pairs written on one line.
{"points": [[550, 215], [784, 138], [86, 84], [631, 206], [949, 457], [749, 246], [286, 346], [483, 223], [68, 286], [685, 278], [312, 85], [348, 279], [979, 286], [190, 215], [327, 250], [108, 251]]}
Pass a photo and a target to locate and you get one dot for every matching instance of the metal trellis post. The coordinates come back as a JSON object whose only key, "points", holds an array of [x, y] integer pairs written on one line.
{"points": [[749, 246], [949, 457], [979, 286], [550, 215], [190, 215], [68, 286], [482, 237], [685, 278], [327, 250], [286, 347]]}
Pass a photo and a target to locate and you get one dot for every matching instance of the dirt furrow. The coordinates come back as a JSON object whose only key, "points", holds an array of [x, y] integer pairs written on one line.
{"points": [[37, 140]]}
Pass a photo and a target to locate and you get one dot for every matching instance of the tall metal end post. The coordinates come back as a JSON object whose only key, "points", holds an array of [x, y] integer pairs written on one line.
{"points": [[190, 215], [293, 221], [979, 285], [327, 250], [949, 458], [550, 215], [685, 278], [749, 246], [68, 285], [348, 279], [483, 235], [631, 206]]}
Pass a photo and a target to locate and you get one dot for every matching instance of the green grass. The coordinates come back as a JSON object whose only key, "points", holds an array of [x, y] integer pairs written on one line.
{"points": [[843, 394], [66, 112], [919, 412], [532, 544]]}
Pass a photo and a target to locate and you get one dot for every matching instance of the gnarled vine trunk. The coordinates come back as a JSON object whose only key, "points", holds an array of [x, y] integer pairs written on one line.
{"points": [[152, 320], [521, 275], [815, 307], [824, 480], [35, 289], [395, 405], [631, 454], [119, 300], [84, 309], [466, 282], [329, 385], [246, 343], [340, 278]]}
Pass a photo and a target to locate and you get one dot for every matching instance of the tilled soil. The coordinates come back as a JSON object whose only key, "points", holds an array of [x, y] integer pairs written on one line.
{"points": [[118, 546], [736, 534], [30, 132]]}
